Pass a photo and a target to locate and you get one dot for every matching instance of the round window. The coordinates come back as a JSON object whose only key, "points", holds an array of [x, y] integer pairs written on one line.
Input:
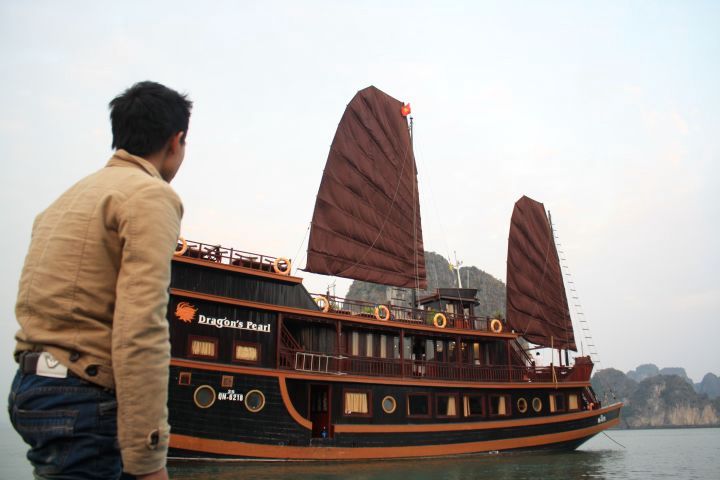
{"points": [[537, 404], [254, 400], [204, 396], [522, 405], [389, 404]]}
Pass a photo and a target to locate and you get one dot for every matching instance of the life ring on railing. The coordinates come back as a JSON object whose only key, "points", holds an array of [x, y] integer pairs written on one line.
{"points": [[496, 325], [386, 313], [440, 320], [323, 303], [183, 249], [279, 262]]}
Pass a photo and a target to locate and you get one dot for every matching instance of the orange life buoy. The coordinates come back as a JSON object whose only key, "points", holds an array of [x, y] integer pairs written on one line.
{"points": [[385, 310], [278, 266], [183, 249], [496, 325], [322, 302], [440, 320]]}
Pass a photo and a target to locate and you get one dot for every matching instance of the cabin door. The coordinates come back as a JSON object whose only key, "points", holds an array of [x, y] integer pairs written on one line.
{"points": [[320, 411]]}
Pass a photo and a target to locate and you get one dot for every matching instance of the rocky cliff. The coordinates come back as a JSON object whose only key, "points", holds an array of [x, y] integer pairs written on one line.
{"points": [[657, 400], [491, 291]]}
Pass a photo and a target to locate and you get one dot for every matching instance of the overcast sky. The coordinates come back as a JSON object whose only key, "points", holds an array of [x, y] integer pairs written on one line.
{"points": [[607, 112]]}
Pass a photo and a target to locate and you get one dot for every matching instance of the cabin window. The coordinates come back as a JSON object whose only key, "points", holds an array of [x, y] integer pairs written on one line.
{"points": [[476, 353], [396, 348], [356, 403], [447, 406], [354, 343], [473, 406], [254, 401], [573, 402], [369, 345], [418, 405], [429, 350], [227, 381], [557, 402], [537, 404], [499, 405], [185, 378], [522, 405], [389, 404], [246, 352], [203, 347], [407, 347], [383, 346], [452, 352], [204, 396], [440, 350]]}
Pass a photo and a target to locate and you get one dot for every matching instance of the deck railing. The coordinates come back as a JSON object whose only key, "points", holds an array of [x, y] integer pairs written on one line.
{"points": [[229, 256], [406, 315], [418, 369]]}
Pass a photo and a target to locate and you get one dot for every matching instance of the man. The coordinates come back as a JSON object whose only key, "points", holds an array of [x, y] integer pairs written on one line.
{"points": [[90, 395]]}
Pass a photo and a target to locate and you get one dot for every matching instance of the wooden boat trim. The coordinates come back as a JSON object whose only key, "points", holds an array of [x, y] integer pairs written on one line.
{"points": [[290, 407], [334, 316], [240, 269], [454, 427], [218, 367], [253, 450]]}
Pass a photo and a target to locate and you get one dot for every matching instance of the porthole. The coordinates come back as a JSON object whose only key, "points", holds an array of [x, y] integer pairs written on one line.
{"points": [[522, 405], [537, 404], [389, 404], [254, 401], [204, 396]]}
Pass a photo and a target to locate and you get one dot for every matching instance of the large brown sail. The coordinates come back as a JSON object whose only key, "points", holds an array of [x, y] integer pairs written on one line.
{"points": [[536, 302], [366, 225]]}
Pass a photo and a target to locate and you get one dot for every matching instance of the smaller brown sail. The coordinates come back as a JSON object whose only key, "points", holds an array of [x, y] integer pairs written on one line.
{"points": [[537, 304], [366, 224]]}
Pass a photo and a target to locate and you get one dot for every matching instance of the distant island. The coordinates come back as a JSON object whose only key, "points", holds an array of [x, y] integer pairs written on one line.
{"points": [[657, 397], [653, 397]]}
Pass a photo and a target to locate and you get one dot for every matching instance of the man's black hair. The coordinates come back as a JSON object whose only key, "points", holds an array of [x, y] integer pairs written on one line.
{"points": [[146, 115]]}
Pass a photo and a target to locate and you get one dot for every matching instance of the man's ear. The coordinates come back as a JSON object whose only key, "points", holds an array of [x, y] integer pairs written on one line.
{"points": [[177, 141]]}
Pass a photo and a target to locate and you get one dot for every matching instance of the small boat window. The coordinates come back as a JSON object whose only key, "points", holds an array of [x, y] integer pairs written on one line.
{"points": [[204, 396], [203, 347], [473, 406], [557, 402], [537, 404], [418, 405], [447, 405], [499, 405], [522, 405], [246, 352], [389, 404], [185, 378], [254, 401], [356, 403], [573, 402]]}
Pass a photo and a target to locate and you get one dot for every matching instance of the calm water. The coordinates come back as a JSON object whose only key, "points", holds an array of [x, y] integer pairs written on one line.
{"points": [[648, 454]]}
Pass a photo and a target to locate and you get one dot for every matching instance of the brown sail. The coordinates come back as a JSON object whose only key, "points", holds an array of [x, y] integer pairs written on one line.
{"points": [[366, 225], [536, 302]]}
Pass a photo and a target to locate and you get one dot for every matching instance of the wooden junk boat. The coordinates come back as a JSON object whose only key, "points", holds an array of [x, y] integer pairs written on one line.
{"points": [[262, 369]]}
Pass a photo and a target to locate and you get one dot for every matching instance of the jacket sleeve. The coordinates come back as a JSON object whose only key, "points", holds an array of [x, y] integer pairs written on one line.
{"points": [[148, 228]]}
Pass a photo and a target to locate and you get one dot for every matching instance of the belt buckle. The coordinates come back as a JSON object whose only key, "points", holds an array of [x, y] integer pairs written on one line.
{"points": [[49, 366]]}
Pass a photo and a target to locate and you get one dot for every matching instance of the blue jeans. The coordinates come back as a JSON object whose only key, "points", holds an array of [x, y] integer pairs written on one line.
{"points": [[70, 425]]}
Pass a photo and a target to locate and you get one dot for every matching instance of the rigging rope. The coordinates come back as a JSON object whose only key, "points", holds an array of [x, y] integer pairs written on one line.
{"points": [[297, 259], [608, 436]]}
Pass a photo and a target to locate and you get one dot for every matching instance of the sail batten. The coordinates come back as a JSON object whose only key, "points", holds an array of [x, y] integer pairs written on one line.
{"points": [[537, 304], [366, 224]]}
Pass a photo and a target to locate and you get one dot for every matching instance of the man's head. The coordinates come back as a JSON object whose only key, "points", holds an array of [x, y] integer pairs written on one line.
{"points": [[151, 121]]}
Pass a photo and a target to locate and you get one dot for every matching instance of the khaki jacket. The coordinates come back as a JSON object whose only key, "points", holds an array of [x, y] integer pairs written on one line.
{"points": [[94, 293]]}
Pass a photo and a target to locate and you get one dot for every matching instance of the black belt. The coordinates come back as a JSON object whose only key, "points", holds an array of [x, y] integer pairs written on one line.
{"points": [[27, 363]]}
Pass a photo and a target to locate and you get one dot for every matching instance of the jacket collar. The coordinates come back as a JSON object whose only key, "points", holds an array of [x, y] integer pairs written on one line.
{"points": [[122, 158]]}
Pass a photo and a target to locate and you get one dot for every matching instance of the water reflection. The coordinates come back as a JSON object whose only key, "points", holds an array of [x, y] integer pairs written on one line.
{"points": [[578, 464]]}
